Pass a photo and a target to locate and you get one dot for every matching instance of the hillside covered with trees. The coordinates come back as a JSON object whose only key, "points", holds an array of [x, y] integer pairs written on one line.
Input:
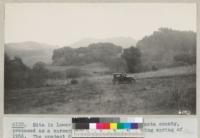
{"points": [[106, 53], [167, 48], [97, 52], [30, 52], [164, 48]]}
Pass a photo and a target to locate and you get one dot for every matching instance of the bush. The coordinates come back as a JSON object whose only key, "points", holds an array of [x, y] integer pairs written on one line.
{"points": [[74, 81], [38, 75], [154, 68]]}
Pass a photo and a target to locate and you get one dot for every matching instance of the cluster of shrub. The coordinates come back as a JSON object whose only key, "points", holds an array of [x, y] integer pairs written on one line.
{"points": [[18, 75]]}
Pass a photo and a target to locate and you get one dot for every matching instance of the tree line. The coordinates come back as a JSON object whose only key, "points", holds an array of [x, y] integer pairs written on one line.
{"points": [[164, 48]]}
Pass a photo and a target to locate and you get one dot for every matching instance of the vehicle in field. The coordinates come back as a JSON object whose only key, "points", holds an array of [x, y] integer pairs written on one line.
{"points": [[121, 78]]}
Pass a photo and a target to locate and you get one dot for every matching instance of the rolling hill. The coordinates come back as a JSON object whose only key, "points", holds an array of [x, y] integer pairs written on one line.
{"points": [[30, 52], [124, 42]]}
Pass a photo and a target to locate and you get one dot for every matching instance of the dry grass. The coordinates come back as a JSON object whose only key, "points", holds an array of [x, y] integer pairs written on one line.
{"points": [[174, 71], [97, 95], [92, 69], [146, 96]]}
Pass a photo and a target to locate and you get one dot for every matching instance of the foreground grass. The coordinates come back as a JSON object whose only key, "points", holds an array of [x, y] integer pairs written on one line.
{"points": [[100, 96]]}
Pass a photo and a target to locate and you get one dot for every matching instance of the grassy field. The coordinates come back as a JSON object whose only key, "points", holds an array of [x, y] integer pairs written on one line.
{"points": [[158, 92], [93, 68]]}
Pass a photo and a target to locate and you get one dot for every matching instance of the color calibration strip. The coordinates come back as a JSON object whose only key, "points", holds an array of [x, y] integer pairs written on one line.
{"points": [[107, 119], [107, 127], [107, 123]]}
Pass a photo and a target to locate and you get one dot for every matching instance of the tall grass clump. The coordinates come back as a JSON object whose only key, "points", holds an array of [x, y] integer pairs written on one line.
{"points": [[182, 99]]}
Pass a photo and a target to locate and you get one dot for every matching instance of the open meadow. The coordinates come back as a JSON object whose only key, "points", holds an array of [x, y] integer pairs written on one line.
{"points": [[165, 91]]}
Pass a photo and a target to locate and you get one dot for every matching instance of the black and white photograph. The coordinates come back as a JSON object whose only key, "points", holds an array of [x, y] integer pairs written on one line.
{"points": [[100, 58]]}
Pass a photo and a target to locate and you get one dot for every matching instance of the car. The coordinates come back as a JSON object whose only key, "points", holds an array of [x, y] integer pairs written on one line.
{"points": [[121, 78]]}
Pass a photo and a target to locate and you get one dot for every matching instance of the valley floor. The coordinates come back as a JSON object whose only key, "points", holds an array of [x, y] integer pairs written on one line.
{"points": [[150, 94]]}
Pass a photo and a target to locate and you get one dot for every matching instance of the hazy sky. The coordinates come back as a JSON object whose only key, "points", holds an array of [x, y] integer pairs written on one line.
{"points": [[62, 24]]}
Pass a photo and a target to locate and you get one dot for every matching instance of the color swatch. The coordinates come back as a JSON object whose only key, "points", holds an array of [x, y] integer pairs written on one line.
{"points": [[106, 123]]}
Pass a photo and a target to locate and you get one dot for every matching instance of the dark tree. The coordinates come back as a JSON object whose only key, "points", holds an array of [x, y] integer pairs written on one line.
{"points": [[38, 74], [132, 57], [16, 73], [18, 76]]}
